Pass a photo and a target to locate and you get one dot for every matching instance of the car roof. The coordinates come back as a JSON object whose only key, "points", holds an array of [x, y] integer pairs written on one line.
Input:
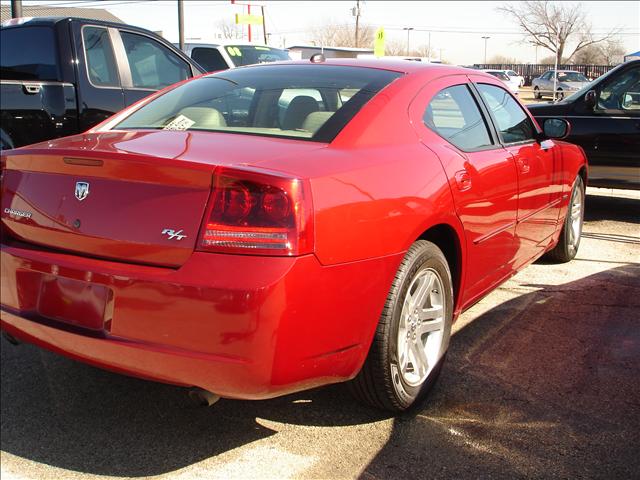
{"points": [[49, 21], [229, 43], [402, 66]]}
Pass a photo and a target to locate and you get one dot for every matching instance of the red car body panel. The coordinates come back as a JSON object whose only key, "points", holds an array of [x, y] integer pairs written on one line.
{"points": [[112, 293]]}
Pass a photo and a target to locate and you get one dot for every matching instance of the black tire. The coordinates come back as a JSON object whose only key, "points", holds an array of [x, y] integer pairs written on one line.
{"points": [[5, 141], [569, 241], [381, 383], [536, 93]]}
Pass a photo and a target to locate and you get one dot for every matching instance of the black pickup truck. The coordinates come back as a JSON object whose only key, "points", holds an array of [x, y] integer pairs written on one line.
{"points": [[61, 76]]}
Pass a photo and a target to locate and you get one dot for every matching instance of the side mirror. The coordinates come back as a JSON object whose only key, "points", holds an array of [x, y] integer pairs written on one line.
{"points": [[590, 99], [556, 128]]}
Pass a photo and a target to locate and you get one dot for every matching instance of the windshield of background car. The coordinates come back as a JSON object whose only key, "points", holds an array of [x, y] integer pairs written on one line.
{"points": [[250, 55], [571, 77], [502, 76], [312, 102], [28, 53]]}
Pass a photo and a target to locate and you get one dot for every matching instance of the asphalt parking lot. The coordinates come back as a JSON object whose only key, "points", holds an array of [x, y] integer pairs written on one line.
{"points": [[541, 381]]}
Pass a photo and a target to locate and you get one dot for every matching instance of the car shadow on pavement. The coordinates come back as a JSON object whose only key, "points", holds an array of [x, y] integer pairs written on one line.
{"points": [[72, 416], [544, 385], [541, 386], [622, 208]]}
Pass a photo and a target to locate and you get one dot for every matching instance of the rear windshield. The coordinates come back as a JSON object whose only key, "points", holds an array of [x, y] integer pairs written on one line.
{"points": [[311, 102], [250, 54], [28, 53]]}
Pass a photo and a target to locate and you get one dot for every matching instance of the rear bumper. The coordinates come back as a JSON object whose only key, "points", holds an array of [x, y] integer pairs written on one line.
{"points": [[240, 326]]}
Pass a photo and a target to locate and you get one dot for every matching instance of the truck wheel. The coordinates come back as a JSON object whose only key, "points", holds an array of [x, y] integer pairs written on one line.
{"points": [[413, 333], [5, 141]]}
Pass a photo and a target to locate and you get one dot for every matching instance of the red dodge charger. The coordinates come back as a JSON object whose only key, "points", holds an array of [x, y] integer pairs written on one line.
{"points": [[274, 228]]}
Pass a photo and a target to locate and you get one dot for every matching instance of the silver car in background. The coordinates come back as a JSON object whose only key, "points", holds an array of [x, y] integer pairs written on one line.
{"points": [[566, 83]]}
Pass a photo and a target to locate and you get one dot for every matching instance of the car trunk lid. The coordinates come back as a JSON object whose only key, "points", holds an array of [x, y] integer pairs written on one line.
{"points": [[131, 196]]}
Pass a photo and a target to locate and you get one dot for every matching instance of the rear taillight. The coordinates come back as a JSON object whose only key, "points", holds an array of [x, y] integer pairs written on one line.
{"points": [[258, 213]]}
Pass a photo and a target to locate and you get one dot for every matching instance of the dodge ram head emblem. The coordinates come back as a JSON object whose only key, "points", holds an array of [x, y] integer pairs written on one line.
{"points": [[82, 190]]}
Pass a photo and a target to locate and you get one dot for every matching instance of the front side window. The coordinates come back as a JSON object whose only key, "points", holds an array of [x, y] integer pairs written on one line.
{"points": [[622, 93], [152, 65], [28, 53], [292, 101], [455, 116], [512, 121], [101, 64]]}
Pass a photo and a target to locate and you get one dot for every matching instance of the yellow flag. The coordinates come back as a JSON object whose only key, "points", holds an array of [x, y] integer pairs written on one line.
{"points": [[378, 43]]}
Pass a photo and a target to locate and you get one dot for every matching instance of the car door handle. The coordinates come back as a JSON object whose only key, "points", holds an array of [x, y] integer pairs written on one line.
{"points": [[31, 89], [463, 180]]}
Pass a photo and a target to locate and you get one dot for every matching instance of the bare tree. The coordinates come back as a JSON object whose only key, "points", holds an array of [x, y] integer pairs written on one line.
{"points": [[342, 35], [612, 52], [553, 25], [229, 30], [591, 55], [501, 59]]}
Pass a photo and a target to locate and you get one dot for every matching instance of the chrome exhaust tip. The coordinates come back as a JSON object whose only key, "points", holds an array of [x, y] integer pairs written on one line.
{"points": [[203, 398]]}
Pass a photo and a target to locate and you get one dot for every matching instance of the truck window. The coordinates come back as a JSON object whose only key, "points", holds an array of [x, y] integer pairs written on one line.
{"points": [[152, 65], [210, 58], [28, 53], [101, 64]]}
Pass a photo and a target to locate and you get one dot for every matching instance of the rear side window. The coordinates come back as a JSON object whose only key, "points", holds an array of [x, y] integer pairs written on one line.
{"points": [[455, 116], [210, 58], [512, 122], [291, 101], [101, 64], [153, 66], [28, 53]]}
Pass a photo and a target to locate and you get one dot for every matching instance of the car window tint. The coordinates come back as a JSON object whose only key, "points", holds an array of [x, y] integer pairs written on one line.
{"points": [[210, 58], [622, 93], [28, 53], [513, 123], [152, 65], [293, 101], [511, 73], [101, 64], [455, 116]]}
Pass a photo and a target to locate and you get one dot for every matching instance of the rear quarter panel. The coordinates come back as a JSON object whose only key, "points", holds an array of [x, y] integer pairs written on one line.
{"points": [[375, 188]]}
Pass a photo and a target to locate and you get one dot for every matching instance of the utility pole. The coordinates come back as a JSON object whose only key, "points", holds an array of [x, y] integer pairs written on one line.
{"points": [[16, 8], [408, 29], [356, 13], [181, 24], [264, 26], [485, 49], [429, 48]]}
